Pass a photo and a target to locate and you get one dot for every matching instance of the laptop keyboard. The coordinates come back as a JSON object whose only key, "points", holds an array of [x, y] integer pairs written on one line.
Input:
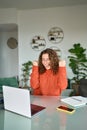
{"points": [[36, 108]]}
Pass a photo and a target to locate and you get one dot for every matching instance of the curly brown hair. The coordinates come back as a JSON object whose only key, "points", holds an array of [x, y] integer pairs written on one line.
{"points": [[54, 61]]}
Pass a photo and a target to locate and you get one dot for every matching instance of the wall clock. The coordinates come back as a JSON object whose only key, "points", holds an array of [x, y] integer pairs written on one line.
{"points": [[55, 35], [12, 43], [38, 43]]}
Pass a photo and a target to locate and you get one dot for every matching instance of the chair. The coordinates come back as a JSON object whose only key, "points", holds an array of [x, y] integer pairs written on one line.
{"points": [[8, 81], [68, 90], [83, 88]]}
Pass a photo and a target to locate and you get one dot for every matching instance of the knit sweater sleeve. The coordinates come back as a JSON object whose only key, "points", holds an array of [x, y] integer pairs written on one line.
{"points": [[34, 78], [62, 76]]}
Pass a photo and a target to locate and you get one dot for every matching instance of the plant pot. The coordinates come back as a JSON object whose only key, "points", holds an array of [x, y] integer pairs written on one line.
{"points": [[75, 88]]}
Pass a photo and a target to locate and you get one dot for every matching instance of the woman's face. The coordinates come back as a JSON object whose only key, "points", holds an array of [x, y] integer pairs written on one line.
{"points": [[46, 61]]}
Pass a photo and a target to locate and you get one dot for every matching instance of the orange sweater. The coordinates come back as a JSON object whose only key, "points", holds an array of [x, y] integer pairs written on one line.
{"points": [[47, 83]]}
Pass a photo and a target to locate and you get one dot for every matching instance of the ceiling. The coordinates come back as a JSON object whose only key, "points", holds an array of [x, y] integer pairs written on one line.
{"points": [[34, 4], [38, 4]]}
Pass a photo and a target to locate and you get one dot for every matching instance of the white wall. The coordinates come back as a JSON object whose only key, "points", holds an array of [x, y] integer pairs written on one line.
{"points": [[73, 21], [8, 56]]}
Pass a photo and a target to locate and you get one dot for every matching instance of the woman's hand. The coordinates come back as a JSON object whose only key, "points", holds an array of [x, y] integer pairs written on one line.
{"points": [[35, 63], [62, 63]]}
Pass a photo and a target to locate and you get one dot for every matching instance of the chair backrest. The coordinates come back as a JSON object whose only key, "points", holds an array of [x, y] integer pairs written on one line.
{"points": [[83, 87], [8, 81]]}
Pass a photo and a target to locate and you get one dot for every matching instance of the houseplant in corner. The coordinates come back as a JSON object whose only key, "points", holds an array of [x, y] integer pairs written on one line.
{"points": [[26, 68], [78, 64]]}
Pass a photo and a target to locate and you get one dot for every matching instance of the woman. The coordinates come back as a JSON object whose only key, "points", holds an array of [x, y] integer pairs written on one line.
{"points": [[48, 75]]}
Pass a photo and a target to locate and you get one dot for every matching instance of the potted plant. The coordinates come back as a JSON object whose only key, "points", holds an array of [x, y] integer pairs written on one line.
{"points": [[26, 67], [78, 64]]}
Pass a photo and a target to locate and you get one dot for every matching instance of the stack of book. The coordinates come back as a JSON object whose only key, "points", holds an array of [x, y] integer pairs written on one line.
{"points": [[75, 101]]}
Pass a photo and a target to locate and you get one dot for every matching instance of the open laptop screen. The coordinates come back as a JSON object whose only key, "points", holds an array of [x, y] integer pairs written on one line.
{"points": [[18, 101]]}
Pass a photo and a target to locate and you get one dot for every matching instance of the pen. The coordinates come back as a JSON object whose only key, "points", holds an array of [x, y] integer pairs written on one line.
{"points": [[77, 99]]}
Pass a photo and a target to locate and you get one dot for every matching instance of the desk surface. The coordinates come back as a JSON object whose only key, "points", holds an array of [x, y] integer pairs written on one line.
{"points": [[48, 119]]}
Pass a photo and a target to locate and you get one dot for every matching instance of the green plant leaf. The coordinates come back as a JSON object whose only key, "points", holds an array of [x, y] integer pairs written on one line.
{"points": [[78, 62]]}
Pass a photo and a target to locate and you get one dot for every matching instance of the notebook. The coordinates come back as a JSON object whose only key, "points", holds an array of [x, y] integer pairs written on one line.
{"points": [[75, 101], [18, 100]]}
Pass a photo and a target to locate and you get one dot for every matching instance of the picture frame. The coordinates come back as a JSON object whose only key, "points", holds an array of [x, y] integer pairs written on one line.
{"points": [[55, 35], [38, 43]]}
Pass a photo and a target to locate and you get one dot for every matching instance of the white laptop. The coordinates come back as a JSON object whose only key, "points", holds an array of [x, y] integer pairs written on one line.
{"points": [[18, 100]]}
